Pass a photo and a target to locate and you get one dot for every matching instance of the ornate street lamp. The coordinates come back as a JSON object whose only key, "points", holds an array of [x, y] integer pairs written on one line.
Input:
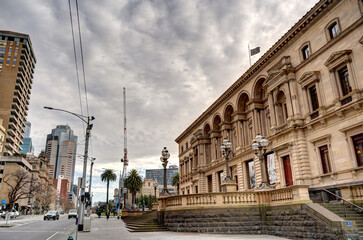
{"points": [[226, 149], [155, 186], [164, 159], [259, 145]]}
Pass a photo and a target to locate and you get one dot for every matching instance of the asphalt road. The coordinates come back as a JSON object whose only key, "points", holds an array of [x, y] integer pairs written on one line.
{"points": [[38, 229]]}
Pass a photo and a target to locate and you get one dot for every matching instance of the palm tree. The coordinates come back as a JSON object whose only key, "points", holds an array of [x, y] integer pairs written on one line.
{"points": [[175, 182], [133, 183], [107, 176]]}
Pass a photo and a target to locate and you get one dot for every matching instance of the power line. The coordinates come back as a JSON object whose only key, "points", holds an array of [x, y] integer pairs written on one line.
{"points": [[81, 47], [75, 61]]}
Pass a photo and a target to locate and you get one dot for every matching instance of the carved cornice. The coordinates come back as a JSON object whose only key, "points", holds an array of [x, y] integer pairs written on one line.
{"points": [[317, 11], [308, 78], [338, 58]]}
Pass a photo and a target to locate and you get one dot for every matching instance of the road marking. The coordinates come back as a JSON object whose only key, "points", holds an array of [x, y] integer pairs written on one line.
{"points": [[52, 236]]}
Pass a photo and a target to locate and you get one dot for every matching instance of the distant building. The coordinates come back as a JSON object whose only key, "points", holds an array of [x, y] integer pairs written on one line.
{"points": [[158, 174], [27, 146], [61, 148], [8, 166], [17, 63], [61, 184], [27, 129]]}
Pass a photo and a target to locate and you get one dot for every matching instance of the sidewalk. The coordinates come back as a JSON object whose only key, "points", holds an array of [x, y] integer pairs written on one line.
{"points": [[101, 228], [114, 228]]}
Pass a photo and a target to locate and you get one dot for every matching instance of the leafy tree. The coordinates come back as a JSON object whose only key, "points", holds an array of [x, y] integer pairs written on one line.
{"points": [[145, 199], [175, 182], [20, 185], [107, 176], [133, 183]]}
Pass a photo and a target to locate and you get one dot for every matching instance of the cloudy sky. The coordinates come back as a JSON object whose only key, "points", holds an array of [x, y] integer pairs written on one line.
{"points": [[174, 58]]}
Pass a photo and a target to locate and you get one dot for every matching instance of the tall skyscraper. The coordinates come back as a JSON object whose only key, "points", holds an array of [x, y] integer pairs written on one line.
{"points": [[17, 62], [61, 148], [27, 146]]}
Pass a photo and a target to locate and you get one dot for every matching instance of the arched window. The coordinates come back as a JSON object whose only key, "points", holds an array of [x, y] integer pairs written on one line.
{"points": [[216, 122], [242, 103], [228, 114], [206, 130], [259, 91], [332, 30], [281, 108]]}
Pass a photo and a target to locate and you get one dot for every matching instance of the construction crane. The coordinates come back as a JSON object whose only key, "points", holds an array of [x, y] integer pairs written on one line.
{"points": [[125, 160]]}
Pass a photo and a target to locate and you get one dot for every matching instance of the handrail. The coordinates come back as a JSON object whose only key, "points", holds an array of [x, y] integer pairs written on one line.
{"points": [[354, 205]]}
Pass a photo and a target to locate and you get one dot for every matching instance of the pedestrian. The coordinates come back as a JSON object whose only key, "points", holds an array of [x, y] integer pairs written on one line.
{"points": [[108, 214], [99, 213]]}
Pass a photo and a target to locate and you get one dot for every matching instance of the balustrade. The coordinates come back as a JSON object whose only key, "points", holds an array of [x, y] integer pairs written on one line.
{"points": [[267, 197]]}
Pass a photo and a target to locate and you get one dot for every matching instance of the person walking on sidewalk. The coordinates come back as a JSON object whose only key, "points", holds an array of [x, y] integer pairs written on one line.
{"points": [[108, 214]]}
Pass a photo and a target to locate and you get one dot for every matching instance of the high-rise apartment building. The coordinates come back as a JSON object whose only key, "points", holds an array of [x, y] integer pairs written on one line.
{"points": [[61, 148], [17, 62], [158, 174], [27, 146]]}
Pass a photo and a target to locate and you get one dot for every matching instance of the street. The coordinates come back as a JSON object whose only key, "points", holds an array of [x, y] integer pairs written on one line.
{"points": [[34, 227]]}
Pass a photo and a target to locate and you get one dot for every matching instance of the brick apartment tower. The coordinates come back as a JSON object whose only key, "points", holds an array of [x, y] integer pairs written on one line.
{"points": [[17, 62], [61, 148]]}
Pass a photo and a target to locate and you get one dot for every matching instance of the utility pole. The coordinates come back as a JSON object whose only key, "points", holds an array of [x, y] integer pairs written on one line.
{"points": [[83, 184], [90, 184], [83, 181]]}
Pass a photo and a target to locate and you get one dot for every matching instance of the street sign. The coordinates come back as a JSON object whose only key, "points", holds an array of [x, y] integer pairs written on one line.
{"points": [[349, 223], [3, 202]]}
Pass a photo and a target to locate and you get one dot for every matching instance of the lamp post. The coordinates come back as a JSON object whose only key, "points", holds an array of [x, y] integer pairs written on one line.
{"points": [[259, 145], [226, 149], [87, 120], [164, 159], [155, 186]]}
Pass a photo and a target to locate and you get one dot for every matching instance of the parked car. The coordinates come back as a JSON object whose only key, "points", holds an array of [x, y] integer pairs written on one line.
{"points": [[72, 213], [52, 214], [13, 214], [16, 213]]}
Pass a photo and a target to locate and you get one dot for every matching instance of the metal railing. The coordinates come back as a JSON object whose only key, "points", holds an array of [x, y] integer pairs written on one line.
{"points": [[344, 201]]}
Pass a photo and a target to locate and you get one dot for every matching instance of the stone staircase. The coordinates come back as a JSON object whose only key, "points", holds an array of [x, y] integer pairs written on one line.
{"points": [[349, 214], [144, 223]]}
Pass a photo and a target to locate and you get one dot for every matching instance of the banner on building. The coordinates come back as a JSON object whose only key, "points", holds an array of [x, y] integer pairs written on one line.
{"points": [[271, 168]]}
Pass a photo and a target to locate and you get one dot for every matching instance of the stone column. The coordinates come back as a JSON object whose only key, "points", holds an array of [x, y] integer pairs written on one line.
{"points": [[271, 106]]}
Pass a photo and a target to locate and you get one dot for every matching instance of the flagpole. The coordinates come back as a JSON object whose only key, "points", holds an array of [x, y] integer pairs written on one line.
{"points": [[249, 54]]}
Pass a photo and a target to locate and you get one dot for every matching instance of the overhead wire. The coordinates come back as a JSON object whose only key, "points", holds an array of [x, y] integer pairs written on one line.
{"points": [[82, 58], [76, 63]]}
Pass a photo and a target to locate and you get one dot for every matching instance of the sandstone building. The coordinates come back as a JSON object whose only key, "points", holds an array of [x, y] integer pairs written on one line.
{"points": [[17, 63], [305, 96]]}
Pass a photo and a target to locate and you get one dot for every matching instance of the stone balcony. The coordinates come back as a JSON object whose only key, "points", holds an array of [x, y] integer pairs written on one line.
{"points": [[273, 197]]}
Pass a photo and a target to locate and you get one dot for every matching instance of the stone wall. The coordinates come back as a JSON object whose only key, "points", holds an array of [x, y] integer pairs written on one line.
{"points": [[293, 222]]}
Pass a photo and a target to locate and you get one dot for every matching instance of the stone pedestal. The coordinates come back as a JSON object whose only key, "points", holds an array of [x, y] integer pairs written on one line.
{"points": [[155, 206], [229, 186]]}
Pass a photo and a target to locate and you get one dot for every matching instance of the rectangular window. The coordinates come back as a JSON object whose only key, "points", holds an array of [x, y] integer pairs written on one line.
{"points": [[7, 62], [314, 98], [2, 49], [14, 62], [2, 55], [358, 148], [16, 50], [2, 43], [344, 80], [305, 52], [333, 30], [325, 160]]}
